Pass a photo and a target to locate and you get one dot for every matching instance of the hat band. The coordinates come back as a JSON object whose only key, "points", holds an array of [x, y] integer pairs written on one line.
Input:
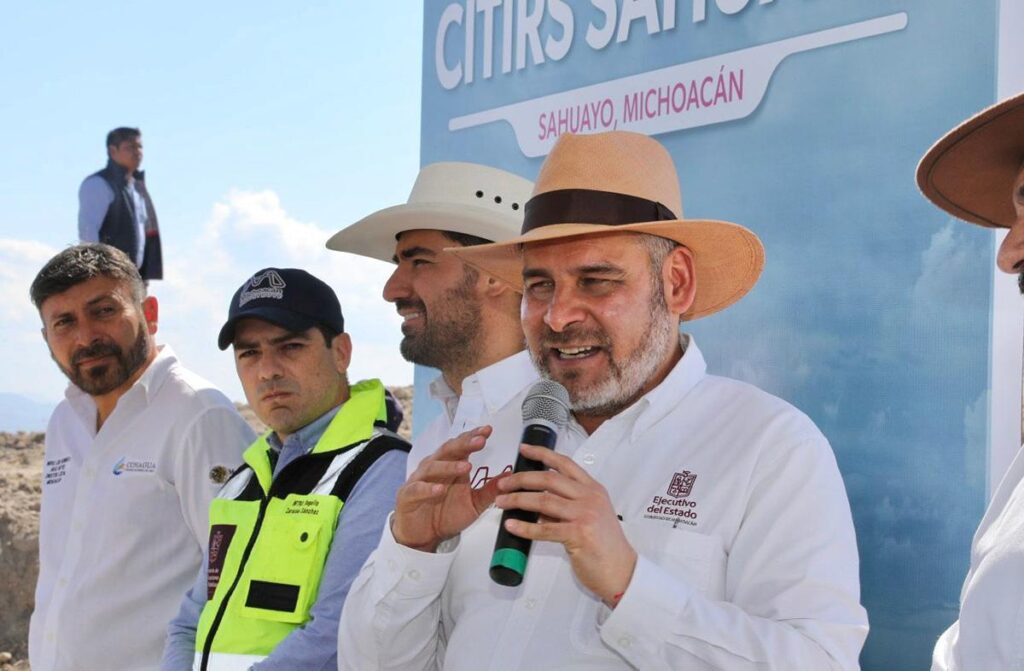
{"points": [[587, 206]]}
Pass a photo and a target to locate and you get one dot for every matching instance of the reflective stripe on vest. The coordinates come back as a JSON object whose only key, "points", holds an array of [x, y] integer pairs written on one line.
{"points": [[269, 540]]}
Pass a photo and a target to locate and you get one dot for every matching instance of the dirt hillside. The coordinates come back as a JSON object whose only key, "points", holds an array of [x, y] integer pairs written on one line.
{"points": [[21, 460]]}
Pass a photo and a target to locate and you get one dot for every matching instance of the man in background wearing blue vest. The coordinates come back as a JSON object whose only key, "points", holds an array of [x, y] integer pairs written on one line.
{"points": [[291, 528], [114, 206]]}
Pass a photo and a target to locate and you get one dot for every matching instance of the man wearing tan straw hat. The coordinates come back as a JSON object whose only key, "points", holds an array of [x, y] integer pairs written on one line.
{"points": [[456, 319], [687, 521], [976, 173]]}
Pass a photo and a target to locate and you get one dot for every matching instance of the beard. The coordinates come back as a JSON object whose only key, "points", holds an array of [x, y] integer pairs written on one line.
{"points": [[626, 379], [107, 377], [450, 331]]}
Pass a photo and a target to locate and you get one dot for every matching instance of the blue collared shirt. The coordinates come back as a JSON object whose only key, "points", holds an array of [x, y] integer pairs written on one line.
{"points": [[313, 647]]}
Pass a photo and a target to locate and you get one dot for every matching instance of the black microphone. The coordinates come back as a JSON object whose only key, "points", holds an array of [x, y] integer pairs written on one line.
{"points": [[545, 413]]}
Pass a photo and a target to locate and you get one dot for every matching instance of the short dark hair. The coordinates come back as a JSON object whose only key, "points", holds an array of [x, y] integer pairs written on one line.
{"points": [[81, 263], [465, 239], [328, 333], [120, 134]]}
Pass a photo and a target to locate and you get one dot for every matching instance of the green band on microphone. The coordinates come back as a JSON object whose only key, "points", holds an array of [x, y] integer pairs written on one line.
{"points": [[511, 559]]}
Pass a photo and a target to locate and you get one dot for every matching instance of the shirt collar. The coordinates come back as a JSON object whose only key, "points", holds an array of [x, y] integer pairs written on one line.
{"points": [[658, 402], [684, 376], [306, 438], [497, 384]]}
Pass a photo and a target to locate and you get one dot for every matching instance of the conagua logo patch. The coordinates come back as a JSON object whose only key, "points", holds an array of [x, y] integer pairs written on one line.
{"points": [[265, 285], [125, 465]]}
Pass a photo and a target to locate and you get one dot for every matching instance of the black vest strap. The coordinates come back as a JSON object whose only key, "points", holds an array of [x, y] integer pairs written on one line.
{"points": [[377, 448]]}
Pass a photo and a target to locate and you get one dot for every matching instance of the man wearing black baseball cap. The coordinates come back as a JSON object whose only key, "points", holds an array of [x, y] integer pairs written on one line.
{"points": [[291, 528]]}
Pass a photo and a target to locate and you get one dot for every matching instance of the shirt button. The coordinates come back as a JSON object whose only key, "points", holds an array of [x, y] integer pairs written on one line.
{"points": [[531, 604], [589, 459], [414, 574], [626, 641]]}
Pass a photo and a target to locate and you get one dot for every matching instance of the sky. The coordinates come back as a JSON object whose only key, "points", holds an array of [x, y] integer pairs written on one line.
{"points": [[267, 126]]}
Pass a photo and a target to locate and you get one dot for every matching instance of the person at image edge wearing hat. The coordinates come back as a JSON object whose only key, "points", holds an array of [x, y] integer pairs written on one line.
{"points": [[688, 521], [134, 455], [976, 173], [290, 529], [463, 322]]}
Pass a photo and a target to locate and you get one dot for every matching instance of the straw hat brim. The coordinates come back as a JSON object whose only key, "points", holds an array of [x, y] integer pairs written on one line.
{"points": [[728, 258], [970, 172], [375, 235]]}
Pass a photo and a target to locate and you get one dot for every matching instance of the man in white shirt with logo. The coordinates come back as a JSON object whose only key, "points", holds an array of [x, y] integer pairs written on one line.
{"points": [[460, 321], [976, 173], [134, 455], [687, 521]]}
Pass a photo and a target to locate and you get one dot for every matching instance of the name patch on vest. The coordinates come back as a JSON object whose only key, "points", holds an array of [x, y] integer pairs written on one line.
{"points": [[273, 596], [303, 507], [220, 540]]}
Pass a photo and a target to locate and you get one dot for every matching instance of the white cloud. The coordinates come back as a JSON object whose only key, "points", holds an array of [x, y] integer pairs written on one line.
{"points": [[947, 266], [246, 231], [250, 230], [24, 358], [976, 440]]}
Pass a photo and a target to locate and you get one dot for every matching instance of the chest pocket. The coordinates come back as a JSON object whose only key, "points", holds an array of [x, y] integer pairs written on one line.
{"points": [[695, 558], [282, 576]]}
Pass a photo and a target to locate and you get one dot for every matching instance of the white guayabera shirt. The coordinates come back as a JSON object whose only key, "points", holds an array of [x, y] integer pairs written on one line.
{"points": [[989, 636], [732, 499], [123, 523]]}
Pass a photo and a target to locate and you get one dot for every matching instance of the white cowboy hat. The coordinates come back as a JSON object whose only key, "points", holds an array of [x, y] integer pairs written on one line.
{"points": [[449, 196]]}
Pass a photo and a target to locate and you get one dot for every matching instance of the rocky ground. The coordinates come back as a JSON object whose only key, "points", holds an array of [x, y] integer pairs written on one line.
{"points": [[21, 459]]}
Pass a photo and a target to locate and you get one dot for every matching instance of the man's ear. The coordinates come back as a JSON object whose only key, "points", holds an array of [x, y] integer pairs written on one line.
{"points": [[679, 280], [151, 311], [341, 349], [493, 287]]}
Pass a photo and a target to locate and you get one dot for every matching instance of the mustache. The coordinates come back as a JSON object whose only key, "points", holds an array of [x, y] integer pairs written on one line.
{"points": [[94, 351]]}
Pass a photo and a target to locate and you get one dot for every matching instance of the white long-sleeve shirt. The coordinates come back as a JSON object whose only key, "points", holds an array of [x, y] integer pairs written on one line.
{"points": [[123, 523], [747, 556], [989, 636]]}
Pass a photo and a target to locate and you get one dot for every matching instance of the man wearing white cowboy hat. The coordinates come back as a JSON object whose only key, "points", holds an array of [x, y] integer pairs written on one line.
{"points": [[456, 319], [976, 173], [687, 521]]}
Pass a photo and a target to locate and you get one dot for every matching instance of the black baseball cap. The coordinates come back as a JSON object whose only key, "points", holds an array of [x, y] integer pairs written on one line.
{"points": [[287, 297]]}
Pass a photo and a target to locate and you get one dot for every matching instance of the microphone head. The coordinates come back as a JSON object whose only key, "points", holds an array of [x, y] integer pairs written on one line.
{"points": [[548, 401]]}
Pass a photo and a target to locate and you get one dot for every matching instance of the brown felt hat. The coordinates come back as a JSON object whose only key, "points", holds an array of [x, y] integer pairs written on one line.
{"points": [[620, 182], [971, 171]]}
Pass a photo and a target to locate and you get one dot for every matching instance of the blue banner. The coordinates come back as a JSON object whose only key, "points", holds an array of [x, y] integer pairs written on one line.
{"points": [[803, 121]]}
